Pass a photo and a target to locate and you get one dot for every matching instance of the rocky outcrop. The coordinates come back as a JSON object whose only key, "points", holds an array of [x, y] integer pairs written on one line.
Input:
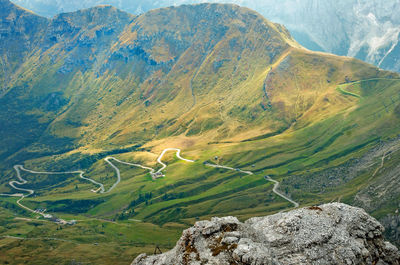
{"points": [[329, 234]]}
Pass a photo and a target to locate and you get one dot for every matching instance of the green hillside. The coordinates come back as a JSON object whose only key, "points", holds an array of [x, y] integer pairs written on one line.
{"points": [[219, 82]]}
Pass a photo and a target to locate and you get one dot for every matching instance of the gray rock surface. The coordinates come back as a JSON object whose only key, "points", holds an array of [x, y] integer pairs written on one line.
{"points": [[329, 234]]}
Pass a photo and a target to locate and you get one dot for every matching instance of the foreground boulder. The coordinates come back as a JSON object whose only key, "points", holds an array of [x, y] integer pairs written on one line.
{"points": [[329, 234]]}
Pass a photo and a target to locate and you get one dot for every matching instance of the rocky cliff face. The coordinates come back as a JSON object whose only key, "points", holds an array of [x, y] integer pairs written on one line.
{"points": [[368, 30], [330, 234]]}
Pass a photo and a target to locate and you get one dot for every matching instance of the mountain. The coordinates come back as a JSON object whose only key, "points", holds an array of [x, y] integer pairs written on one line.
{"points": [[18, 34], [51, 8], [367, 30], [329, 234], [148, 61], [156, 77], [32, 94], [96, 101]]}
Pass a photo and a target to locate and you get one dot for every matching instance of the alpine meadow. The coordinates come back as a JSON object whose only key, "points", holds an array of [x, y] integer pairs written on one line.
{"points": [[119, 131]]}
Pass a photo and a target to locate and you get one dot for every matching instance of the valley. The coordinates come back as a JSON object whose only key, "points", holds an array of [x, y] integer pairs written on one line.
{"points": [[139, 126], [154, 174]]}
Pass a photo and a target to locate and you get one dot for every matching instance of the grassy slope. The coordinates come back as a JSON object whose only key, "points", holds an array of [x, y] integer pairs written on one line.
{"points": [[194, 190], [93, 241], [259, 101]]}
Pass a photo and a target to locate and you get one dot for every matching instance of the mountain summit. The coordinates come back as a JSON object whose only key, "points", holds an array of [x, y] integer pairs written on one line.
{"points": [[367, 30], [204, 69], [161, 59]]}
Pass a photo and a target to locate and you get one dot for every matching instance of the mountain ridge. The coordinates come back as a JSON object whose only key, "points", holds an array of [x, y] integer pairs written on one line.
{"points": [[313, 23], [218, 82]]}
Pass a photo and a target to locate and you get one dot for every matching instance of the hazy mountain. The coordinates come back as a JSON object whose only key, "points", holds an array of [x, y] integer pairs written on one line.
{"points": [[368, 30]]}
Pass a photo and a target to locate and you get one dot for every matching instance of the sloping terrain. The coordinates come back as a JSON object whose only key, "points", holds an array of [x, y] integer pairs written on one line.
{"points": [[100, 94], [367, 30]]}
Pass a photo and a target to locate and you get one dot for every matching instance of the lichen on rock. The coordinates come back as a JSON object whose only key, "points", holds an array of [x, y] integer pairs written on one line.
{"points": [[329, 234]]}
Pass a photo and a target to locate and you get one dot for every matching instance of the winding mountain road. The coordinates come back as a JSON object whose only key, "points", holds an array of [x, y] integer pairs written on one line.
{"points": [[152, 170], [107, 159], [276, 183], [178, 155], [275, 190], [21, 181], [229, 168], [155, 174], [80, 172]]}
